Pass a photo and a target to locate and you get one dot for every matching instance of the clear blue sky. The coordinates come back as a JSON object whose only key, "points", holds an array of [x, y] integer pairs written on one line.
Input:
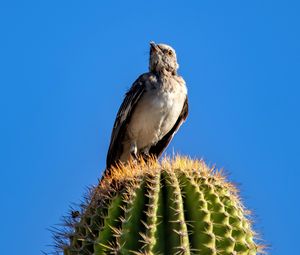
{"points": [[65, 65]]}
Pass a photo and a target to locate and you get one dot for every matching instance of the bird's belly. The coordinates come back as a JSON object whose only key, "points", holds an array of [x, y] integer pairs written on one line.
{"points": [[155, 117]]}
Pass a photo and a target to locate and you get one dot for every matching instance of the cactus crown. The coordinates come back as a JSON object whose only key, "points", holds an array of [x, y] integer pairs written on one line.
{"points": [[178, 206]]}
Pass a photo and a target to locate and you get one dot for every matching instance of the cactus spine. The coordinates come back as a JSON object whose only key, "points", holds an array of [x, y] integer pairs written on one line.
{"points": [[178, 206]]}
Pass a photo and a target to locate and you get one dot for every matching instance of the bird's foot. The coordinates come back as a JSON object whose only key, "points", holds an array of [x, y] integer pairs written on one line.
{"points": [[133, 153], [146, 155]]}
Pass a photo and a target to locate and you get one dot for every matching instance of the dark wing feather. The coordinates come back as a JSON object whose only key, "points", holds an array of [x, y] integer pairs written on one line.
{"points": [[158, 149], [123, 116]]}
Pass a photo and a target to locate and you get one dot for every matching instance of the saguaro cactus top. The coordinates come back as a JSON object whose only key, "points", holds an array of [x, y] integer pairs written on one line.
{"points": [[179, 206]]}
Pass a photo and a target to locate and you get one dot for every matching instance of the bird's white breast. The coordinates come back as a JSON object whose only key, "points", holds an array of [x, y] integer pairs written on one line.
{"points": [[156, 113]]}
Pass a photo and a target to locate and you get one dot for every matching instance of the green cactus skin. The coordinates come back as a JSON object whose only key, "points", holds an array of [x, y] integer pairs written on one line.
{"points": [[179, 206]]}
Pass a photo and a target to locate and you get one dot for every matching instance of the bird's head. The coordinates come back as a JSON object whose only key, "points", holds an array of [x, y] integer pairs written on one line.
{"points": [[162, 58]]}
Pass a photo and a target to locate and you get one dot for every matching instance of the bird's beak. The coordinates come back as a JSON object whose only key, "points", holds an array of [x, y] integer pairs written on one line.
{"points": [[154, 47]]}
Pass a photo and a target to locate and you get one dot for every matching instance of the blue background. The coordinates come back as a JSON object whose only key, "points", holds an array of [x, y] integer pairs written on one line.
{"points": [[65, 65]]}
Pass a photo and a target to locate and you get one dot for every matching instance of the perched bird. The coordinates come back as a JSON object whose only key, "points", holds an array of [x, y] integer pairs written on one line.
{"points": [[153, 110]]}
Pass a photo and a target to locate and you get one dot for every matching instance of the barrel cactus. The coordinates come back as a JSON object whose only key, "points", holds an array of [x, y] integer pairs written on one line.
{"points": [[178, 206]]}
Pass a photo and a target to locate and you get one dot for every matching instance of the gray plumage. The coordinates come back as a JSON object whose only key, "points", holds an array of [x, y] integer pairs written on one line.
{"points": [[152, 111]]}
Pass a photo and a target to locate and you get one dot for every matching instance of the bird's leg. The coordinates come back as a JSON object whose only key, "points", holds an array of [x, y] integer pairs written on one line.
{"points": [[133, 151]]}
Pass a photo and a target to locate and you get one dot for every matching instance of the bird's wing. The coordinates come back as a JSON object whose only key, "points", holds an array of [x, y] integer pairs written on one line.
{"points": [[158, 149], [123, 116]]}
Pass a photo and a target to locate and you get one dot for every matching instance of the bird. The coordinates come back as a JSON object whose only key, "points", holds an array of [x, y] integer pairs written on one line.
{"points": [[152, 111]]}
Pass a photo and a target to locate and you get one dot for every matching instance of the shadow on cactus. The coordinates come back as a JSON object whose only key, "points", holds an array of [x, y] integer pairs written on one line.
{"points": [[178, 206]]}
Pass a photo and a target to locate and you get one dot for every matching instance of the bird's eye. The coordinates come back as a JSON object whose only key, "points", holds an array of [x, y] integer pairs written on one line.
{"points": [[170, 53]]}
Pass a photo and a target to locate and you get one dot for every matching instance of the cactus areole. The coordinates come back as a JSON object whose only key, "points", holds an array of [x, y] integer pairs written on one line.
{"points": [[178, 206]]}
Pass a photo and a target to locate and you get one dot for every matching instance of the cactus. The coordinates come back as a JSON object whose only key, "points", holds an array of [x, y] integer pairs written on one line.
{"points": [[178, 206]]}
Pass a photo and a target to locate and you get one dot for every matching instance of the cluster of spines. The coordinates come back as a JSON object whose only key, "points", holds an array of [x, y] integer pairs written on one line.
{"points": [[165, 210]]}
